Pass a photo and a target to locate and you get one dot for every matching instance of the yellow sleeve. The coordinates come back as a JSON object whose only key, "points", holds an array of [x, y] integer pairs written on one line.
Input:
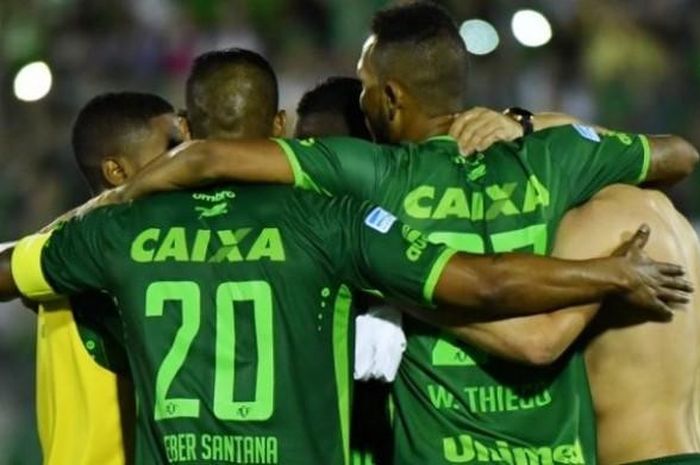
{"points": [[26, 268]]}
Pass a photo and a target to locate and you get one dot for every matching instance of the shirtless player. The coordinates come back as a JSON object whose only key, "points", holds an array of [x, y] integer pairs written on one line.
{"points": [[645, 378]]}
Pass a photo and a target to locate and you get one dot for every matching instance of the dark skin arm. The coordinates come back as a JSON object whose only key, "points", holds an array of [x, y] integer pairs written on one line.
{"points": [[200, 163], [8, 288], [541, 339], [672, 159]]}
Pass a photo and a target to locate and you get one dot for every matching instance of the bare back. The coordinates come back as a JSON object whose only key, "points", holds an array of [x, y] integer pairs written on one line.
{"points": [[645, 378]]}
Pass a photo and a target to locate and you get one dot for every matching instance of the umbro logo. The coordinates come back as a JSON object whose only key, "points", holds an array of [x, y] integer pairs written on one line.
{"points": [[210, 212]]}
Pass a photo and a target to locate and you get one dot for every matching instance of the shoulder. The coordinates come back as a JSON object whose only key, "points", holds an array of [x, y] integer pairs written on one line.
{"points": [[567, 130], [612, 215]]}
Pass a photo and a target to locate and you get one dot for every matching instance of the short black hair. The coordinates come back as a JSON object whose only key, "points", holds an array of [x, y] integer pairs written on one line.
{"points": [[231, 93], [105, 126], [419, 45], [335, 97]]}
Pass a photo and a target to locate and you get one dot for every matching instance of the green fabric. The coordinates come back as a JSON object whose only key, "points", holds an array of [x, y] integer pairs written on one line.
{"points": [[100, 330], [236, 314], [455, 404]]}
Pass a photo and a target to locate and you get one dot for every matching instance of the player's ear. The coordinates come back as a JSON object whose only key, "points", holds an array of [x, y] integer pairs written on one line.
{"points": [[393, 99], [113, 172], [279, 124], [184, 125]]}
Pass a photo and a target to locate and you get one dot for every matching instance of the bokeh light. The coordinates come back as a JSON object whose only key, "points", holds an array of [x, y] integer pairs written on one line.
{"points": [[531, 28], [480, 36], [33, 82]]}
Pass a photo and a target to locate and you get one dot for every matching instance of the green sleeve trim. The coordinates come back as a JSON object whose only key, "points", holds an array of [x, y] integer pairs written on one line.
{"points": [[301, 179], [342, 313], [292, 159], [435, 272], [647, 159]]}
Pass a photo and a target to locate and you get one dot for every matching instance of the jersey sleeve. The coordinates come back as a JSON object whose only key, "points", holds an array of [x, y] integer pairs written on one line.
{"points": [[378, 252], [66, 261], [589, 160], [339, 165]]}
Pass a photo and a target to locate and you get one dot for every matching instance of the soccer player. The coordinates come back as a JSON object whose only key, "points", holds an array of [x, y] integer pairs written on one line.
{"points": [[644, 377], [454, 402], [233, 94], [332, 108], [624, 406], [618, 352], [84, 395]]}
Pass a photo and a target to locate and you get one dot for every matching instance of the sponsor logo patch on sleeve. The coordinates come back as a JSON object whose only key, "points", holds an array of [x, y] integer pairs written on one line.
{"points": [[380, 220], [587, 132]]}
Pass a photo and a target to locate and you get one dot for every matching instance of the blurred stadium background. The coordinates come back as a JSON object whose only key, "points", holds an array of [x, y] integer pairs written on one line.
{"points": [[621, 63]]}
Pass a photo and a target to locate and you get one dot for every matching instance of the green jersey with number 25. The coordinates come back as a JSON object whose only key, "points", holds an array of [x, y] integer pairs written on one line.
{"points": [[455, 404], [236, 312]]}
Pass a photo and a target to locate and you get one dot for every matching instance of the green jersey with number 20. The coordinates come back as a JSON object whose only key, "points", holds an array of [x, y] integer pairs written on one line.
{"points": [[455, 404], [236, 312]]}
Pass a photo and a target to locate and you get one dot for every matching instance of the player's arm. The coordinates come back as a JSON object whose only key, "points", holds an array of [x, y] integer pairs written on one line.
{"points": [[512, 280], [478, 128], [65, 261], [542, 339], [332, 165], [672, 159], [197, 163], [8, 287], [667, 158], [399, 261]]}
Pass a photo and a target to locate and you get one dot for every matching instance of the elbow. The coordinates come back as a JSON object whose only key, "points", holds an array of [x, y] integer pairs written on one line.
{"points": [[536, 347], [541, 350], [686, 155]]}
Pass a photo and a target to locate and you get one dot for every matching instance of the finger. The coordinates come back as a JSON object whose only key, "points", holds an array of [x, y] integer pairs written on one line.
{"points": [[497, 133], [476, 130], [678, 284], [463, 120], [673, 297], [475, 126], [641, 237], [662, 310], [670, 269]]}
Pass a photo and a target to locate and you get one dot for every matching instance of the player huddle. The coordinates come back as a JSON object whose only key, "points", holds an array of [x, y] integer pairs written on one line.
{"points": [[224, 304]]}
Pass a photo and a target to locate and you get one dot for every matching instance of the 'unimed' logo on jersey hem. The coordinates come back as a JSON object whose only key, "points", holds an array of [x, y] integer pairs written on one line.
{"points": [[465, 449], [380, 220]]}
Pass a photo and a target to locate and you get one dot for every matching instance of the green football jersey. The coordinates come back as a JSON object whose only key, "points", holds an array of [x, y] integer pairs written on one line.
{"points": [[453, 403], [235, 303]]}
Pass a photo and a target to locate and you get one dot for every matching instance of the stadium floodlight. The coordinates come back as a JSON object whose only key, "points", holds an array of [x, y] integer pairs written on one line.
{"points": [[479, 36], [33, 82], [531, 28]]}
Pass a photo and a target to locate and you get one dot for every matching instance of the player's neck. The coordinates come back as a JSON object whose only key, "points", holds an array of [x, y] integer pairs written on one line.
{"points": [[424, 128]]}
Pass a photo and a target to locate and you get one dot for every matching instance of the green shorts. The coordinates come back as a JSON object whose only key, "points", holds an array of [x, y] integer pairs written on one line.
{"points": [[682, 459]]}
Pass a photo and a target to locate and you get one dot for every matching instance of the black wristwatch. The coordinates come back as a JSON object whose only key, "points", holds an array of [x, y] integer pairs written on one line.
{"points": [[521, 116]]}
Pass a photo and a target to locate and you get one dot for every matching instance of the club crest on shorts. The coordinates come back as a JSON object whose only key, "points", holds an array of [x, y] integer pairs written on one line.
{"points": [[380, 220]]}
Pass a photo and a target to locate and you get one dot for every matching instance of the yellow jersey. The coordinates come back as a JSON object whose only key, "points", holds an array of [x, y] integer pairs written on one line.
{"points": [[81, 406]]}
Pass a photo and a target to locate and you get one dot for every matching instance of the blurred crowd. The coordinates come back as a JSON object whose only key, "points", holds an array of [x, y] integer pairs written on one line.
{"points": [[623, 64]]}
